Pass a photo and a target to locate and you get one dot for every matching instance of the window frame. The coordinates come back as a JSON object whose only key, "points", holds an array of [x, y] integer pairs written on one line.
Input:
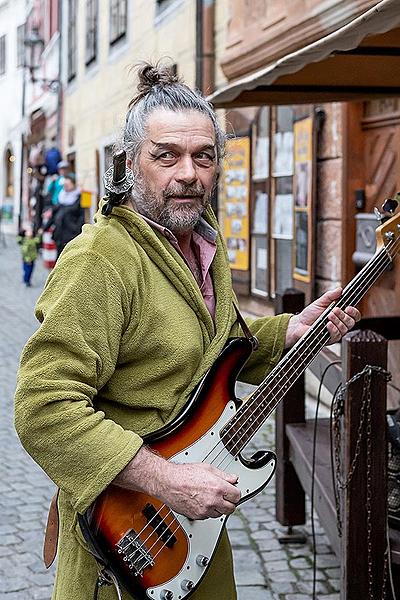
{"points": [[21, 53], [118, 21], [3, 54], [72, 40], [91, 36]]}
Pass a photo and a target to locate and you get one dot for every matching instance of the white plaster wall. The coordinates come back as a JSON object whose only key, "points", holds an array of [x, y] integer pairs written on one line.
{"points": [[96, 101], [12, 14]]}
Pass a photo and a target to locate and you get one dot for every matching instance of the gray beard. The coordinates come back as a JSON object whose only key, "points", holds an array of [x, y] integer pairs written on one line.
{"points": [[176, 218]]}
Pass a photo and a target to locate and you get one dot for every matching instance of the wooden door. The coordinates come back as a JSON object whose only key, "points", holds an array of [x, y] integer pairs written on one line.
{"points": [[381, 132], [382, 180]]}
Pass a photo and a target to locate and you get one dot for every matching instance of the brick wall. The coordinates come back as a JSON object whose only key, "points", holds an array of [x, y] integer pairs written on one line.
{"points": [[329, 200]]}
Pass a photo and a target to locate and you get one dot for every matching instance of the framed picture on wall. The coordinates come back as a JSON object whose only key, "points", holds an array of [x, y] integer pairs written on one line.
{"points": [[303, 133]]}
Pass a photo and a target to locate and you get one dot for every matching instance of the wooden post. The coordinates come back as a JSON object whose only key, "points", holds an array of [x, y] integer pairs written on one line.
{"points": [[290, 497], [361, 569]]}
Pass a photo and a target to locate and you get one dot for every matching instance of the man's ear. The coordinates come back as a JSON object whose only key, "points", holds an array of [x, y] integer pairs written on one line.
{"points": [[129, 163]]}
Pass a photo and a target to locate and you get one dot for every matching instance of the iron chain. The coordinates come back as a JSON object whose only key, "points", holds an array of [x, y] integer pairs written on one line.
{"points": [[364, 426]]}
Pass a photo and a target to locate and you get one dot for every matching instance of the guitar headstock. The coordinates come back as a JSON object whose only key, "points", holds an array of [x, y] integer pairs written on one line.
{"points": [[388, 234]]}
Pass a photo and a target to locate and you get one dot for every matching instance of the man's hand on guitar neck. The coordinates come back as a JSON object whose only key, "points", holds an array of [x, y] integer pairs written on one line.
{"points": [[196, 490], [340, 322]]}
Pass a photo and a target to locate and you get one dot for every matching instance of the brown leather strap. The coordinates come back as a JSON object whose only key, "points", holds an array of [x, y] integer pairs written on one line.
{"points": [[51, 535], [245, 329]]}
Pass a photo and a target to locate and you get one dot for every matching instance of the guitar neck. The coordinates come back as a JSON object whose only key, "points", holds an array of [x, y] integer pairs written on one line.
{"points": [[239, 430]]}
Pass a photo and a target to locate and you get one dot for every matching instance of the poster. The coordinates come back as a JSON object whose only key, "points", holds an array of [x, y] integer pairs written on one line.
{"points": [[303, 132], [283, 154], [301, 232], [261, 157], [235, 193], [283, 217], [303, 197], [260, 213]]}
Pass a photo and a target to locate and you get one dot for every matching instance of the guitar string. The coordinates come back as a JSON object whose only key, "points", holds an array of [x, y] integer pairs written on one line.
{"points": [[274, 374], [257, 421], [354, 294], [254, 397]]}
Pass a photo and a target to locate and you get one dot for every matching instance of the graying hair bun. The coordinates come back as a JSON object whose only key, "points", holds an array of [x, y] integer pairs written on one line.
{"points": [[150, 76]]}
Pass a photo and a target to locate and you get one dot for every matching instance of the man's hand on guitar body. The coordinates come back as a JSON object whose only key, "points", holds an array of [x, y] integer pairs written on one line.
{"points": [[340, 322], [197, 490]]}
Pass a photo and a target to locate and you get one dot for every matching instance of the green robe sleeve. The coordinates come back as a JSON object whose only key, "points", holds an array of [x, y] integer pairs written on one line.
{"points": [[83, 312], [271, 334]]}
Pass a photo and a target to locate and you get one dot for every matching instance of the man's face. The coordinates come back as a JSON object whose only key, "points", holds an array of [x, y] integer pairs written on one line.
{"points": [[176, 170]]}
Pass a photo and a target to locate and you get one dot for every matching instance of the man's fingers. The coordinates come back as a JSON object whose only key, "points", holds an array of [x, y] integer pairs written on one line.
{"points": [[354, 313], [331, 295], [342, 321]]}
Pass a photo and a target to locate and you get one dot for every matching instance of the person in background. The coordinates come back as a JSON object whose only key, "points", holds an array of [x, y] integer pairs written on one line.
{"points": [[67, 216], [57, 182], [29, 250]]}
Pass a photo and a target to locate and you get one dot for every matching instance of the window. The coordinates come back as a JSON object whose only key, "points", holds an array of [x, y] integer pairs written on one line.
{"points": [[163, 5], [91, 31], [2, 54], [72, 39], [118, 20], [53, 17], [20, 45]]}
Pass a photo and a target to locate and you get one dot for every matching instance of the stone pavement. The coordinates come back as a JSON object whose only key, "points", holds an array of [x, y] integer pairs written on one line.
{"points": [[265, 570]]}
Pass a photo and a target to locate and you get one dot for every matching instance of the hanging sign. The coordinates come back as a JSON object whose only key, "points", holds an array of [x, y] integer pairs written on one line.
{"points": [[235, 195]]}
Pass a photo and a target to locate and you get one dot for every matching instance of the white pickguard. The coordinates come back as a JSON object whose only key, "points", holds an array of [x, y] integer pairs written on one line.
{"points": [[202, 536]]}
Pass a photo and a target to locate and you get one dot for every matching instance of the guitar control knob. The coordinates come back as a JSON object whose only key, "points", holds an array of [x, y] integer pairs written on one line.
{"points": [[202, 561], [187, 585], [166, 595]]}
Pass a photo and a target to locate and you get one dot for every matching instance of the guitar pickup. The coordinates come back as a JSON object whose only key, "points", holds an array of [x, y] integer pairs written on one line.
{"points": [[155, 521]]}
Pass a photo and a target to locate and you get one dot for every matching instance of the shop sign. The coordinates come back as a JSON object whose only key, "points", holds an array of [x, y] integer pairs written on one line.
{"points": [[234, 201]]}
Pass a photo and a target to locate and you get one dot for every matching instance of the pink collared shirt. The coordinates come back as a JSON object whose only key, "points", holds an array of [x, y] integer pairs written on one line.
{"points": [[205, 247]]}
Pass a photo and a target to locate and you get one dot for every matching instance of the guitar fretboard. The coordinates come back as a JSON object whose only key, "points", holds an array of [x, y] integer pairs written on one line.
{"points": [[239, 430]]}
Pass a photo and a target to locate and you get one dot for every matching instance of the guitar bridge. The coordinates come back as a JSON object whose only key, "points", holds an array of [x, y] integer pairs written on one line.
{"points": [[135, 553]]}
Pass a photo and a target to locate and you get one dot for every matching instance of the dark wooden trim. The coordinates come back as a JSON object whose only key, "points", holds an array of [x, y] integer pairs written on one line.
{"points": [[371, 51], [290, 497], [341, 89], [353, 179], [301, 439], [361, 348], [389, 327]]}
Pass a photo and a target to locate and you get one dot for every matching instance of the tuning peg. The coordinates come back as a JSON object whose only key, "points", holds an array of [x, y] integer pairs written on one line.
{"points": [[378, 214], [390, 205]]}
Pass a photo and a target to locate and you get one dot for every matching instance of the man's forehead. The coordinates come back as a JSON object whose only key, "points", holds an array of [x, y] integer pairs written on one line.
{"points": [[167, 126]]}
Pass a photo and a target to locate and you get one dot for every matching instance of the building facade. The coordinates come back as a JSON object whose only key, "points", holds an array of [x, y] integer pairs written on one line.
{"points": [[313, 163], [311, 87], [12, 25], [102, 41]]}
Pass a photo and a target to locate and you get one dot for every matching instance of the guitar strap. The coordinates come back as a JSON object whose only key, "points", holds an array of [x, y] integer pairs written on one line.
{"points": [[247, 333]]}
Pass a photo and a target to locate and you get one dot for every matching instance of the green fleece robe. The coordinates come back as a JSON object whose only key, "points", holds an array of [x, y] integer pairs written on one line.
{"points": [[125, 336]]}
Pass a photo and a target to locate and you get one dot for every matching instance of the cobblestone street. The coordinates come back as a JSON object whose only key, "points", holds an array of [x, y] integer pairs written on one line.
{"points": [[265, 569]]}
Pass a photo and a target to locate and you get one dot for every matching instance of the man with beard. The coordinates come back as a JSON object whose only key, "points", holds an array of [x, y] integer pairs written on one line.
{"points": [[136, 311]]}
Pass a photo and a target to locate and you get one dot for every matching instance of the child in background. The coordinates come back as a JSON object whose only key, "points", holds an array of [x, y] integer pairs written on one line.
{"points": [[29, 250]]}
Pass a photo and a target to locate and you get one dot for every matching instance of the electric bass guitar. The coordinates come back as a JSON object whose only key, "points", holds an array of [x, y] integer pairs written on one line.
{"points": [[158, 554]]}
